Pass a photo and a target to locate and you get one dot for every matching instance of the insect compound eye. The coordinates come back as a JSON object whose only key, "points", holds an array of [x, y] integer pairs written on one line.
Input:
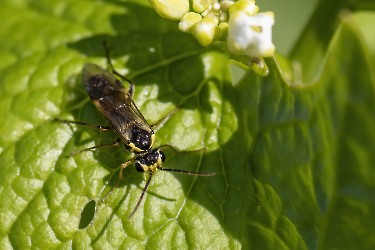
{"points": [[162, 156], [139, 164]]}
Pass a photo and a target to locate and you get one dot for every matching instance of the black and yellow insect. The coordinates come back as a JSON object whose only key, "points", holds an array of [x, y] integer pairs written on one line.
{"points": [[116, 104]]}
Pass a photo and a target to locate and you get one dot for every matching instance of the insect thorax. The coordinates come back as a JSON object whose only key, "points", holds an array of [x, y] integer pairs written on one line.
{"points": [[140, 139]]}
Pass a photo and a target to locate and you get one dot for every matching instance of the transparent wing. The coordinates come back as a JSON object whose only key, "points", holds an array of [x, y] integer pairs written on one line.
{"points": [[123, 115], [112, 99]]}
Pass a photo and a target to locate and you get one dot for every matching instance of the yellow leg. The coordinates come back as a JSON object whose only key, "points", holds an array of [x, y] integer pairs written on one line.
{"points": [[164, 147], [100, 128], [123, 165]]}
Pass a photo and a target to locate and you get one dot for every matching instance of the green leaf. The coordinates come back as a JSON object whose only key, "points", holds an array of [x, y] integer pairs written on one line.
{"points": [[294, 163]]}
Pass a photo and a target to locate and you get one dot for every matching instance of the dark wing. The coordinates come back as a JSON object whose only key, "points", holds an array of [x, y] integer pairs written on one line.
{"points": [[122, 115], [112, 100], [94, 76]]}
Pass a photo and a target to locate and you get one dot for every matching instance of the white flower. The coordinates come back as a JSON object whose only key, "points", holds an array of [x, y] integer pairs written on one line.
{"points": [[247, 32], [251, 35]]}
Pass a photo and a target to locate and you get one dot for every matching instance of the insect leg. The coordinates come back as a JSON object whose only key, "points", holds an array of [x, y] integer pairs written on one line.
{"points": [[164, 147], [140, 199], [131, 86], [123, 165], [100, 128], [164, 119], [114, 144], [184, 171], [187, 172]]}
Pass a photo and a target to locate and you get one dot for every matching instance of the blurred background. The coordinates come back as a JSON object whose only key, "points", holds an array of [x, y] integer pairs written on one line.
{"points": [[291, 17]]}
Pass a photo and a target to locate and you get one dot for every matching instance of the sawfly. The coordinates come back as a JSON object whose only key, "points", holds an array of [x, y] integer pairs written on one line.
{"points": [[116, 104]]}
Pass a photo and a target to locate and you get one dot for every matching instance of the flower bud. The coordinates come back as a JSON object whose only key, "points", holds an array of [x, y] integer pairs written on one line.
{"points": [[170, 9], [246, 6], [207, 31], [188, 20], [202, 5]]}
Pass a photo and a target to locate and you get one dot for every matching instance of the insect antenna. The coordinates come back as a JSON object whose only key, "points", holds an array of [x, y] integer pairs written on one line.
{"points": [[188, 172], [140, 199]]}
